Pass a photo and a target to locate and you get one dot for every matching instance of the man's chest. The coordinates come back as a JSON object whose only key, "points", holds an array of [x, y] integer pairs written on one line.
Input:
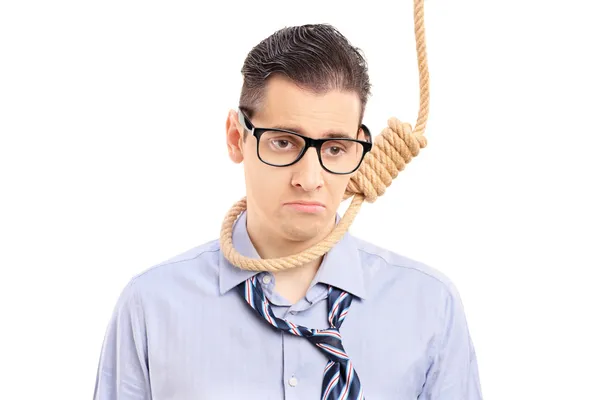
{"points": [[220, 349]]}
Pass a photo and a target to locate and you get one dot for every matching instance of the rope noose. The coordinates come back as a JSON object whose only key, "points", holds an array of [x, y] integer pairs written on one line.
{"points": [[395, 147]]}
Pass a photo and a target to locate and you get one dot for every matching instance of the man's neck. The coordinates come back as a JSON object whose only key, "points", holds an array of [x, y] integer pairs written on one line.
{"points": [[292, 283]]}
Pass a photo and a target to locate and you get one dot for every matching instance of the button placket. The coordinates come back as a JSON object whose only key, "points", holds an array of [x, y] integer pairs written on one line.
{"points": [[290, 368]]}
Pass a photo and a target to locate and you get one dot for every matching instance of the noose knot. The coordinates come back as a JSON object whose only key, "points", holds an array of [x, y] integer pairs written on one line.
{"points": [[395, 147]]}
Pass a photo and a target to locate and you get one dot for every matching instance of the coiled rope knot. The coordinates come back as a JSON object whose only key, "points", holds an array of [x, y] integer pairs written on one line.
{"points": [[395, 147]]}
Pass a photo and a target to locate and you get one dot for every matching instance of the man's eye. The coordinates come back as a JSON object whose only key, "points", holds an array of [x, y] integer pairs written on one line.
{"points": [[281, 143]]}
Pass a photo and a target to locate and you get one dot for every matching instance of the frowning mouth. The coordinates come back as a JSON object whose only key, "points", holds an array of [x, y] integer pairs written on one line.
{"points": [[306, 206]]}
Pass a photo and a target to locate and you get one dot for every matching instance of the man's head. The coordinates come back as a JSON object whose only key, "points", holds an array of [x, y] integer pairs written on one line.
{"points": [[310, 81]]}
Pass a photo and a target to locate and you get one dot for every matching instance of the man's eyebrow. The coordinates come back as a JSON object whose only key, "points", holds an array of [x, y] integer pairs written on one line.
{"points": [[328, 134]]}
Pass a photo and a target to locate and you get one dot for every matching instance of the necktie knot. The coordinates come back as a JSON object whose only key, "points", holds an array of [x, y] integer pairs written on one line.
{"points": [[329, 341]]}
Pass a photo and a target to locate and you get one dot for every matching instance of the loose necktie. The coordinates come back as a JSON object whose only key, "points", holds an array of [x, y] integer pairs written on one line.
{"points": [[340, 380]]}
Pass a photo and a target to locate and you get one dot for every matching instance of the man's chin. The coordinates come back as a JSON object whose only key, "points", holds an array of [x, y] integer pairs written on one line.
{"points": [[305, 228]]}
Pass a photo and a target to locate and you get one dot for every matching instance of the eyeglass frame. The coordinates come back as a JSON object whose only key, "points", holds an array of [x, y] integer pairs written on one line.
{"points": [[309, 142]]}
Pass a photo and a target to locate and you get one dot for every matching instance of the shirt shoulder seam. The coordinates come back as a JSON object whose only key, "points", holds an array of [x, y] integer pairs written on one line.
{"points": [[444, 283], [172, 262]]}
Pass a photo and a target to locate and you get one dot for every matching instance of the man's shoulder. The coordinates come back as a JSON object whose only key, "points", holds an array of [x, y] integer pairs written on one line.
{"points": [[396, 265], [191, 263], [206, 249]]}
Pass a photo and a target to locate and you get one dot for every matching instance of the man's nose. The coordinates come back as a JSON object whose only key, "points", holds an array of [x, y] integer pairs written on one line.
{"points": [[309, 173]]}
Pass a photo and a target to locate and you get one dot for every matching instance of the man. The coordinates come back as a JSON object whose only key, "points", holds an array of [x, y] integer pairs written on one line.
{"points": [[198, 327]]}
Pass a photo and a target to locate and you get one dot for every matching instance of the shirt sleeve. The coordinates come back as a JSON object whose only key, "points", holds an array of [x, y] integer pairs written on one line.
{"points": [[454, 372], [122, 372]]}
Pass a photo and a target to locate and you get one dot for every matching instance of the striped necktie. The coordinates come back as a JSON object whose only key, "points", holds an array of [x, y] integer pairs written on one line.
{"points": [[340, 380]]}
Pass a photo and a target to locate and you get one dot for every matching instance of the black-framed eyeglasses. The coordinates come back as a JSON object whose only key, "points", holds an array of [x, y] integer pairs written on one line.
{"points": [[282, 147]]}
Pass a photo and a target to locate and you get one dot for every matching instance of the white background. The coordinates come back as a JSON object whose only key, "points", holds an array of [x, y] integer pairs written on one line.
{"points": [[112, 143]]}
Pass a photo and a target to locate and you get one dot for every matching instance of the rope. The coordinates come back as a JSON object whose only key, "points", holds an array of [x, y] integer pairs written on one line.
{"points": [[395, 147]]}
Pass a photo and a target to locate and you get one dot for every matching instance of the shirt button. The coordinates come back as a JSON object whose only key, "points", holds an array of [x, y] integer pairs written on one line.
{"points": [[266, 279], [293, 381]]}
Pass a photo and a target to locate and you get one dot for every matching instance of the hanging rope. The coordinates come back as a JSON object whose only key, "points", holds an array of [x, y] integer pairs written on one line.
{"points": [[395, 147]]}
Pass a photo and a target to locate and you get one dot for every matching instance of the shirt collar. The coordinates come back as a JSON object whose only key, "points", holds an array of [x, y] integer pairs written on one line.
{"points": [[341, 266]]}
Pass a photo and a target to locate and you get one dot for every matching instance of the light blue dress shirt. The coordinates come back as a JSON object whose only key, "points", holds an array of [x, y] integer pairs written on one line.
{"points": [[180, 331]]}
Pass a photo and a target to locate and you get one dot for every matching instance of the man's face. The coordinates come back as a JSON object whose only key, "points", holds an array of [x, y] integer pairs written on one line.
{"points": [[273, 193]]}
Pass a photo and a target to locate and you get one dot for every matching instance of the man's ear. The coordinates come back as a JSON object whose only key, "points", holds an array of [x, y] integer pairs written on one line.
{"points": [[364, 134], [234, 135]]}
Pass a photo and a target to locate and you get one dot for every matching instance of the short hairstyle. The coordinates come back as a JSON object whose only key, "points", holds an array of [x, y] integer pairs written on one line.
{"points": [[316, 57]]}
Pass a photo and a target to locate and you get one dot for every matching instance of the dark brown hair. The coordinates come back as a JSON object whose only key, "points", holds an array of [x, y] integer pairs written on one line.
{"points": [[314, 56]]}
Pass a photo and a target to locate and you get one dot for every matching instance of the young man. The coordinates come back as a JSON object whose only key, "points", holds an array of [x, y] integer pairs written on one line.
{"points": [[198, 327]]}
